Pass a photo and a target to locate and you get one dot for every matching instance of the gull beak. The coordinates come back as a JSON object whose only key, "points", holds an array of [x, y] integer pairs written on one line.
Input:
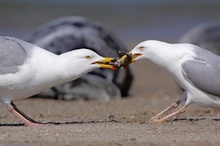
{"points": [[135, 56], [106, 63]]}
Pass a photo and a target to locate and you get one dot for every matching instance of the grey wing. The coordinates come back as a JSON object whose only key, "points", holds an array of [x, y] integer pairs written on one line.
{"points": [[12, 55], [204, 75]]}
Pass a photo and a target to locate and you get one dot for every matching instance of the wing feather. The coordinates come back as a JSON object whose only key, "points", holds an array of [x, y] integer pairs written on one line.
{"points": [[12, 55], [204, 71]]}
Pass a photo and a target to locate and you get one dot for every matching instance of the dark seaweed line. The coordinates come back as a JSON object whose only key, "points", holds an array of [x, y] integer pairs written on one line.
{"points": [[61, 123]]}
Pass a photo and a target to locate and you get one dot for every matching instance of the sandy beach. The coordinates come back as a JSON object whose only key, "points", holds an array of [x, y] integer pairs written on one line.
{"points": [[117, 122]]}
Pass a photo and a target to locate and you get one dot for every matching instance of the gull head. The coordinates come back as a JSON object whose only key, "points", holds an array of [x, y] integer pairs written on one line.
{"points": [[93, 60], [144, 50], [147, 49], [84, 60], [152, 50]]}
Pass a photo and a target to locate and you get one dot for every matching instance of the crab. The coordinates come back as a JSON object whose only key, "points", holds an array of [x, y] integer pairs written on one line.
{"points": [[124, 61]]}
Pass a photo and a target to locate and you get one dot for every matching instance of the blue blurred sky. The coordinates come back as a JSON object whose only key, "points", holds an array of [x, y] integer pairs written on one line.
{"points": [[132, 20]]}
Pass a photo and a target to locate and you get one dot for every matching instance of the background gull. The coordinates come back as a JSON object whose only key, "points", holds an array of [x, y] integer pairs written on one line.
{"points": [[26, 70], [206, 35], [195, 69], [70, 33]]}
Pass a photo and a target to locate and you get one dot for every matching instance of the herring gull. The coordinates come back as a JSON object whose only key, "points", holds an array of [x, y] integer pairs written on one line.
{"points": [[195, 69], [26, 69]]}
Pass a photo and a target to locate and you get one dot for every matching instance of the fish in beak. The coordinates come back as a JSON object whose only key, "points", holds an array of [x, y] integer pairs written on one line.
{"points": [[107, 62]]}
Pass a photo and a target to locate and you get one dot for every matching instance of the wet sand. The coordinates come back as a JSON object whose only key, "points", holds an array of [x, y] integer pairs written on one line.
{"points": [[117, 122]]}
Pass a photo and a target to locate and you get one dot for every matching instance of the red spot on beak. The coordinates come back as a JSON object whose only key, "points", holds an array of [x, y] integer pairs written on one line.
{"points": [[113, 67]]}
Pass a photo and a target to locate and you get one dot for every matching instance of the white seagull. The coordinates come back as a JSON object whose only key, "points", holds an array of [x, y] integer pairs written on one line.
{"points": [[26, 69], [195, 69]]}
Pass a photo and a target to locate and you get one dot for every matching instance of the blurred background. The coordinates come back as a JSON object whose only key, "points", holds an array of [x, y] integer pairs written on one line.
{"points": [[132, 20]]}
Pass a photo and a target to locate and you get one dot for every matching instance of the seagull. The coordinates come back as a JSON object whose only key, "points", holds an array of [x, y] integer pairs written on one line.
{"points": [[195, 69], [26, 69], [72, 32]]}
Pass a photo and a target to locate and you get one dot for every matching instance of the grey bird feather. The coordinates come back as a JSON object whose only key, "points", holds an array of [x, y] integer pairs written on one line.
{"points": [[204, 71], [11, 58]]}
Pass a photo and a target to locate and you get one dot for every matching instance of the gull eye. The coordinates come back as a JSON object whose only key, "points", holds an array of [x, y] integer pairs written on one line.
{"points": [[141, 48], [88, 57]]}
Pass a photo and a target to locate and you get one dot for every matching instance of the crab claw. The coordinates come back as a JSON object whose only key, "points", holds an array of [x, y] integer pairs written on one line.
{"points": [[125, 60]]}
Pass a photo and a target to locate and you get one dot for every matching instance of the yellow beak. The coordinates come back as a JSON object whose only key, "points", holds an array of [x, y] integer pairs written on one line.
{"points": [[134, 56], [107, 62]]}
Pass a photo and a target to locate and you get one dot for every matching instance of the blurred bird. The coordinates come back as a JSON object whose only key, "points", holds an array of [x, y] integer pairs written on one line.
{"points": [[205, 35], [70, 33]]}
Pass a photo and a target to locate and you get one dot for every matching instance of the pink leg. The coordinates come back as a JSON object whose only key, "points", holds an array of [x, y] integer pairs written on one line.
{"points": [[164, 119], [27, 120], [171, 107]]}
